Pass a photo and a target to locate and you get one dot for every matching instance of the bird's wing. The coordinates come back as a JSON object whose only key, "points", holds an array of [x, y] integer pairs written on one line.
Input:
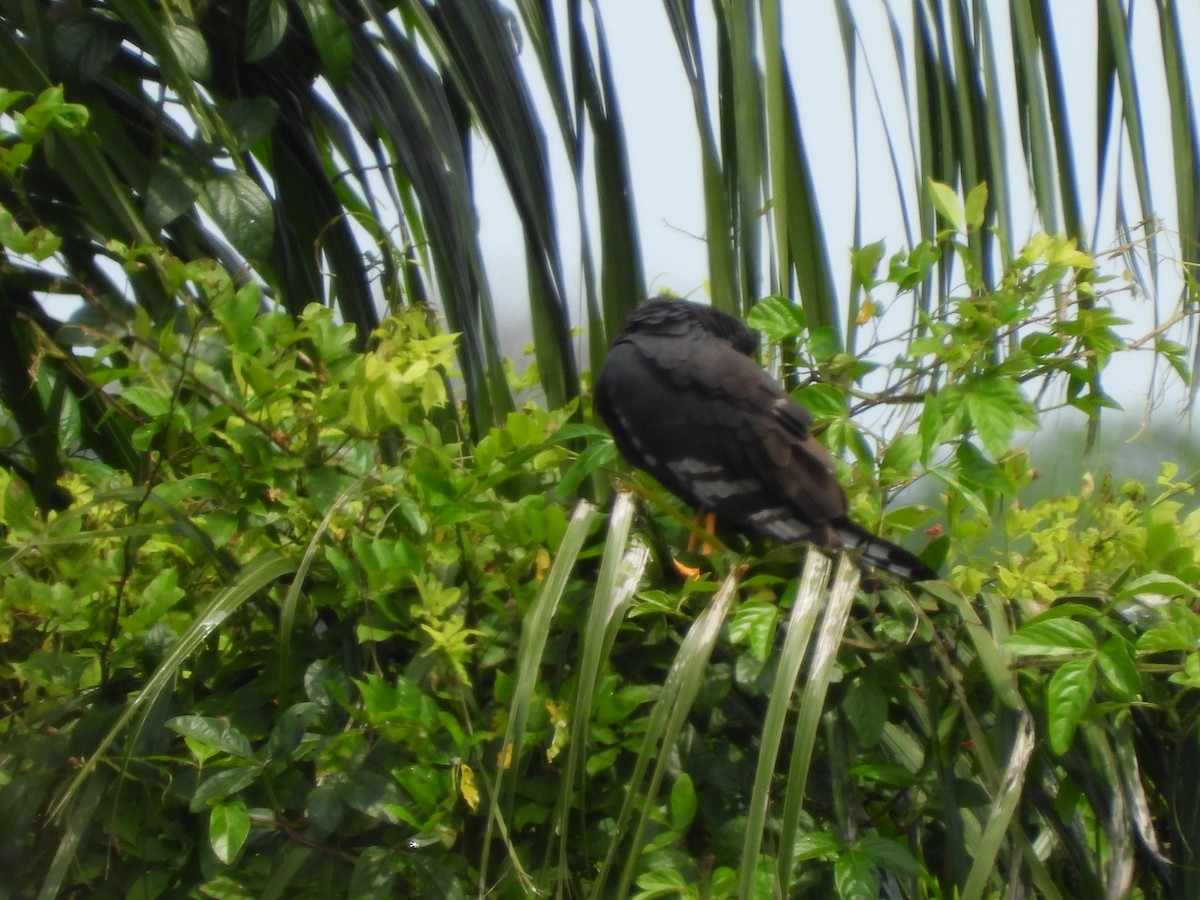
{"points": [[719, 432], [777, 445]]}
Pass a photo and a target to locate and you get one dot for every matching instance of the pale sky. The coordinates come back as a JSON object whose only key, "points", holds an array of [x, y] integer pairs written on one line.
{"points": [[664, 154]]}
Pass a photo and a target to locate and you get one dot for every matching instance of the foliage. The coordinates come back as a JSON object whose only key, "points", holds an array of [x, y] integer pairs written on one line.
{"points": [[280, 615], [327, 152], [324, 644]]}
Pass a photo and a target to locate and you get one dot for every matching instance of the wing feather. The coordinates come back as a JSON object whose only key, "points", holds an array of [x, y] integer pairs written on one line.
{"points": [[719, 432]]}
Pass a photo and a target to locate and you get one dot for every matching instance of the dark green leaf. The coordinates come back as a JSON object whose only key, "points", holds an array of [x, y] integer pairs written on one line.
{"points": [[889, 855], [683, 802], [1068, 696], [855, 877], [1052, 637], [266, 23], [213, 733], [228, 828], [243, 212], [190, 49]]}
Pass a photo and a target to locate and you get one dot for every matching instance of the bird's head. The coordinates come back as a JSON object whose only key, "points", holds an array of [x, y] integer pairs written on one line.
{"points": [[666, 316]]}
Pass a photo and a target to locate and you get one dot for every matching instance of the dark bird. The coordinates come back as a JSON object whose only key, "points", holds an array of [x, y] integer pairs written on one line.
{"points": [[686, 402]]}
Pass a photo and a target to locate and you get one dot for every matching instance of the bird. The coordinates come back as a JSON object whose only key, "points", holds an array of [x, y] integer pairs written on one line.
{"points": [[686, 401]]}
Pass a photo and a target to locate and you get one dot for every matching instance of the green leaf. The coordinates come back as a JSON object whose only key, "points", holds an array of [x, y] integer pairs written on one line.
{"points": [[1052, 637], [824, 401], [945, 201], [1119, 668], [1179, 632], [1156, 583], [212, 733], [661, 882], [997, 409], [814, 845], [1068, 696], [855, 877], [683, 802], [332, 37], [374, 874], [243, 211], [169, 195], [266, 23], [777, 319], [595, 457], [889, 855], [250, 119], [754, 625], [976, 206], [189, 47], [866, 707], [222, 785], [900, 457], [865, 264], [978, 471], [290, 728], [228, 828]]}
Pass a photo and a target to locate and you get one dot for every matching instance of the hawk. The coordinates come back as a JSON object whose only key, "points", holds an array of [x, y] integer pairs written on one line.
{"points": [[686, 402]]}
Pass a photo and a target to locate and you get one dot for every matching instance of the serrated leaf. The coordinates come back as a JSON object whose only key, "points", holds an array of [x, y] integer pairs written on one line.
{"points": [[777, 319], [980, 472], [236, 311], [1068, 695], [901, 456], [997, 409]]}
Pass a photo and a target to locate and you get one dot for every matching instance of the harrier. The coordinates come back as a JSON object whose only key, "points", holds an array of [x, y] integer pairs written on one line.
{"points": [[686, 402]]}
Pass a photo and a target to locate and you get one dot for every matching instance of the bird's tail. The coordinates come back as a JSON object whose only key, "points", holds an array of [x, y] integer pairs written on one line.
{"points": [[882, 554]]}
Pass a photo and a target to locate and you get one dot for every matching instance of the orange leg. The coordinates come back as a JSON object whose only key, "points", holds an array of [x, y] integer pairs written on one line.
{"points": [[708, 523]]}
